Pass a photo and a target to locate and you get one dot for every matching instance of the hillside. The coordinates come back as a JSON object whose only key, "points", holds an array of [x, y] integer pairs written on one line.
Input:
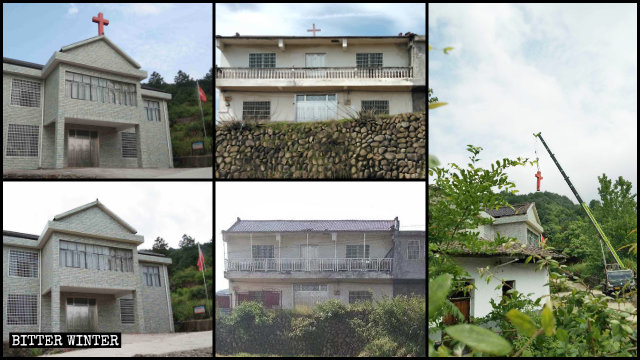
{"points": [[184, 113], [185, 280]]}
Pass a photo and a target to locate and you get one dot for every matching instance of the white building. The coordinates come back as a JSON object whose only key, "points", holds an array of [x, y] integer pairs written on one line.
{"points": [[521, 222], [297, 78]]}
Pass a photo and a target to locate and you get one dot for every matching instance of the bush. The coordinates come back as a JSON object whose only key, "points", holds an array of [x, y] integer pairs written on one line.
{"points": [[382, 347]]}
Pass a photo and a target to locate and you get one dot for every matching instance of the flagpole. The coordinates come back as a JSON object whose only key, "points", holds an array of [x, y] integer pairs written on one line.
{"points": [[201, 113], [204, 267]]}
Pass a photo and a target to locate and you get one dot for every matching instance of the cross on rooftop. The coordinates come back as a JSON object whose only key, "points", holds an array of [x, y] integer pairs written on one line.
{"points": [[100, 20], [313, 30]]}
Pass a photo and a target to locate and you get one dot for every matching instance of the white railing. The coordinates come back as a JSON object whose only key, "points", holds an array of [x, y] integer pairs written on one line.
{"points": [[301, 264], [315, 73]]}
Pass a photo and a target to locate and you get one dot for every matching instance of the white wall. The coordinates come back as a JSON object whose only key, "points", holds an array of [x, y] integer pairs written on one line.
{"points": [[527, 280], [283, 103], [394, 55]]}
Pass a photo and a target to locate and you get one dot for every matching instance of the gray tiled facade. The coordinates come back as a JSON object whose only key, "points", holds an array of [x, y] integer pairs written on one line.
{"points": [[57, 113], [89, 224]]}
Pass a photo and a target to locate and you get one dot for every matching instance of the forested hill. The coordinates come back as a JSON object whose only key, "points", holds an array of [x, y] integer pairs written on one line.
{"points": [[184, 112], [568, 229]]}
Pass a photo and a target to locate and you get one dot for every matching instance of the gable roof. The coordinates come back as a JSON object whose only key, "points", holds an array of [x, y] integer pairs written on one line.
{"points": [[310, 225], [105, 39], [102, 207], [518, 209]]}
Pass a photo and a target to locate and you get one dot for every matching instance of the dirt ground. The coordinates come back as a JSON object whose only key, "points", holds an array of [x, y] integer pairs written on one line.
{"points": [[205, 352]]}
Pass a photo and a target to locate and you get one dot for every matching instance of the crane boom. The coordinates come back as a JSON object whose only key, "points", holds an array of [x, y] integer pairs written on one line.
{"points": [[583, 204]]}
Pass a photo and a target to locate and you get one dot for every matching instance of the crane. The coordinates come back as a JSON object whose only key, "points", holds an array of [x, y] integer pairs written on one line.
{"points": [[616, 274]]}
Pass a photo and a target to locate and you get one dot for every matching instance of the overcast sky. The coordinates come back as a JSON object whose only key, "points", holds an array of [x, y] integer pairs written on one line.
{"points": [[315, 201], [568, 70], [160, 37], [332, 19], [165, 209]]}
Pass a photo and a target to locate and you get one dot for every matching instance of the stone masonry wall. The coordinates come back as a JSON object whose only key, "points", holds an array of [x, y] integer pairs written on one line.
{"points": [[390, 148]]}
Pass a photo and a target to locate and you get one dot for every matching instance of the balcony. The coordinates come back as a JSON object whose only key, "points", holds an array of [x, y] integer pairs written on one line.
{"points": [[318, 76], [301, 268]]}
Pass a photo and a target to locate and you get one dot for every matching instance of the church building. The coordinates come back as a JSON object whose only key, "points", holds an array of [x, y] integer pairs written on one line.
{"points": [[85, 107]]}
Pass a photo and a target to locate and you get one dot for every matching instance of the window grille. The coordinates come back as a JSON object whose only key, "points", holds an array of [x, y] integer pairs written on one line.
{"points": [[22, 140], [91, 88], [25, 93], [127, 312], [355, 296], [22, 309], [262, 60], [378, 106], [355, 252], [309, 287], [262, 251], [151, 275], [129, 149], [23, 263], [256, 110], [369, 60], [413, 250], [152, 108]]}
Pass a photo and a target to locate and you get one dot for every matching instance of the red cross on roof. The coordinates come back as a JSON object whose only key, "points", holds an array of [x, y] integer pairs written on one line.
{"points": [[313, 30], [101, 21]]}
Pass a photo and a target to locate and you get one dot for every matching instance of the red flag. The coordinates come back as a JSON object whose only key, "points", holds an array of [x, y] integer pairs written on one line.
{"points": [[203, 97], [200, 258]]}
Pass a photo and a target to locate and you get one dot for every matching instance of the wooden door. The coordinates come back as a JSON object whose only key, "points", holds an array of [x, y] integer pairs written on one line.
{"points": [[464, 305]]}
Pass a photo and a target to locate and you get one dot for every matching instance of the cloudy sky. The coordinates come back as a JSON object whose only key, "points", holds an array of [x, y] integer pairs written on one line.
{"points": [[333, 19], [315, 201], [164, 209], [569, 71], [160, 37]]}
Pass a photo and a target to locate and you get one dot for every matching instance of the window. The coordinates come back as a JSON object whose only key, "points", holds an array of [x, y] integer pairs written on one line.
{"points": [[22, 309], [256, 110], [533, 239], [378, 106], [355, 252], [369, 60], [506, 286], [355, 296], [151, 275], [152, 108], [413, 250], [25, 93], [23, 263], [84, 87], [129, 149], [262, 251], [127, 312], [95, 257], [22, 140], [266, 60], [309, 287]]}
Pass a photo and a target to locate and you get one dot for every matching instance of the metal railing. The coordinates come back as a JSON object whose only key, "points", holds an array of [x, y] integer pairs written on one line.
{"points": [[315, 73], [301, 264]]}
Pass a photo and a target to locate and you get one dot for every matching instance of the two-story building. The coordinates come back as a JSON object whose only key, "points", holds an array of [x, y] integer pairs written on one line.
{"points": [[83, 273], [301, 78], [297, 263], [84, 108]]}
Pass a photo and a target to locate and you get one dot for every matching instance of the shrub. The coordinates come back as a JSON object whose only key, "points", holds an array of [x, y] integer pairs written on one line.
{"points": [[382, 347]]}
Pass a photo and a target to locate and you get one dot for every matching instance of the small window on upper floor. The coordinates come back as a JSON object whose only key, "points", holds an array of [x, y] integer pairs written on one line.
{"points": [[413, 250], [369, 60], [533, 239], [25, 93], [262, 60]]}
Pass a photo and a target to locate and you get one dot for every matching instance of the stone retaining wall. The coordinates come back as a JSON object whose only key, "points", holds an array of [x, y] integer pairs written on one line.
{"points": [[390, 148]]}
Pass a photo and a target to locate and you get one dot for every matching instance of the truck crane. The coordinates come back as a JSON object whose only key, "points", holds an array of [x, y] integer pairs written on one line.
{"points": [[616, 274]]}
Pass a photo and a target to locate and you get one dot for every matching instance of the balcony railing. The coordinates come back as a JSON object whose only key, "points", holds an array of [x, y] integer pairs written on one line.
{"points": [[328, 264], [315, 73]]}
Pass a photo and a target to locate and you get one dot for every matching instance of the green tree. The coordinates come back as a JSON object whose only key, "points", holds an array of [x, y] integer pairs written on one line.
{"points": [[182, 78], [432, 99], [156, 80], [187, 241], [160, 246]]}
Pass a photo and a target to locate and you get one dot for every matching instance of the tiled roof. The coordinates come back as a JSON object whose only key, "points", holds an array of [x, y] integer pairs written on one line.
{"points": [[310, 225], [518, 209], [20, 235]]}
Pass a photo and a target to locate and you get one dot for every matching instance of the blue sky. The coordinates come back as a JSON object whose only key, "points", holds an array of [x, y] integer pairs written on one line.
{"points": [[160, 37], [333, 19], [568, 70]]}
